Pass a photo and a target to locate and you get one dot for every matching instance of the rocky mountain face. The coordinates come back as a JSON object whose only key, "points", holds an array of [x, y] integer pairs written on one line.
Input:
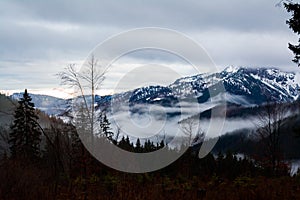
{"points": [[241, 86], [237, 85]]}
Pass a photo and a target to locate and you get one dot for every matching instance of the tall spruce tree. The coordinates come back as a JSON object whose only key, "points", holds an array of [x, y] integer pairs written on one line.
{"points": [[25, 137], [294, 24], [105, 126]]}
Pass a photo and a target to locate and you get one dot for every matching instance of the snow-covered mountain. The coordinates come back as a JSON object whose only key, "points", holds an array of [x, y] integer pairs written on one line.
{"points": [[261, 85], [243, 86], [49, 104]]}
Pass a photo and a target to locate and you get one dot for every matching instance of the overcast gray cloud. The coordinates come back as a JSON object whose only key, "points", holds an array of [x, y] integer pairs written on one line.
{"points": [[189, 14], [39, 38]]}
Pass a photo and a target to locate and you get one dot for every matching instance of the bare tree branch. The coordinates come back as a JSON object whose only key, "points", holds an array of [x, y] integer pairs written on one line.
{"points": [[87, 81], [269, 131], [190, 128]]}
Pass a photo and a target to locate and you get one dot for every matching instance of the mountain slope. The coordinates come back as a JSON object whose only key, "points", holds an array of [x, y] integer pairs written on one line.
{"points": [[243, 86], [49, 104]]}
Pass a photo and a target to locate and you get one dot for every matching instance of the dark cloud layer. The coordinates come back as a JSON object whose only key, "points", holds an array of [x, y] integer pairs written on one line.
{"points": [[41, 37], [189, 14]]}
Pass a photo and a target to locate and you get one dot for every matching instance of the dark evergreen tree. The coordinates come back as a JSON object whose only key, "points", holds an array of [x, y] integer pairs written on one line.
{"points": [[25, 137], [105, 126], [161, 144], [138, 146], [125, 144], [294, 24], [149, 146]]}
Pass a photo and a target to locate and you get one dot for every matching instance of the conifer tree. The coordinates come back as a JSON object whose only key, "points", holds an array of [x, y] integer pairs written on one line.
{"points": [[294, 24], [105, 126], [25, 137], [138, 146]]}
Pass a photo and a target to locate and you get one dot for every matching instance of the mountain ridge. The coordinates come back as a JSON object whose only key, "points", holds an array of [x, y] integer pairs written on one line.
{"points": [[242, 86], [247, 85]]}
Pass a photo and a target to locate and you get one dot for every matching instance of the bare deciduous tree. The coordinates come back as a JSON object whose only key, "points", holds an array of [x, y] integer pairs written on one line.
{"points": [[86, 82], [269, 132], [191, 128]]}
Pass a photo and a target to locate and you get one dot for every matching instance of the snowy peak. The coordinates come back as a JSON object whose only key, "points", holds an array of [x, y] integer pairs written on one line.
{"points": [[284, 82], [254, 86], [273, 84], [243, 86], [231, 69]]}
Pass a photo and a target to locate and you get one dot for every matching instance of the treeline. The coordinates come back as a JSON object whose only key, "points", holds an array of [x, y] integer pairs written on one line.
{"points": [[49, 161]]}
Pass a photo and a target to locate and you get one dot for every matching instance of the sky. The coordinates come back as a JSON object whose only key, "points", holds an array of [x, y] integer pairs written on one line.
{"points": [[38, 39]]}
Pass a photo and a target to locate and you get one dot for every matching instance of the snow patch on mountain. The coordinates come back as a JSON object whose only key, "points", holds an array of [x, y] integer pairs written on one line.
{"points": [[242, 86], [231, 69]]}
